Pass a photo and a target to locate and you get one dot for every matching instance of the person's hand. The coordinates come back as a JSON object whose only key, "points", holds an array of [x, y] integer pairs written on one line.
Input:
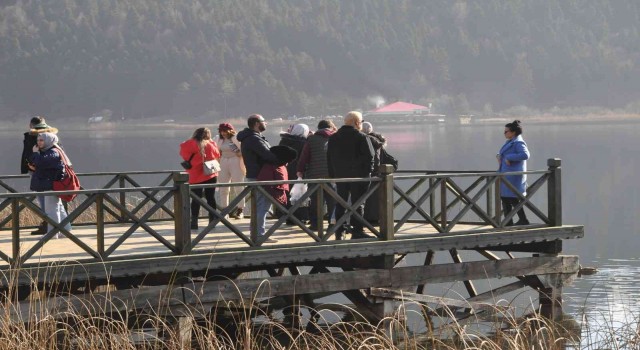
{"points": [[35, 148], [508, 162], [31, 166], [299, 174]]}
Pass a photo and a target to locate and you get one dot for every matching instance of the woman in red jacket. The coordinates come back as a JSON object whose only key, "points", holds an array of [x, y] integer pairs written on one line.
{"points": [[198, 149]]}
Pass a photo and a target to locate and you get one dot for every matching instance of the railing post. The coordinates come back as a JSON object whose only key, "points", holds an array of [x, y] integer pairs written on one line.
{"points": [[386, 202], [554, 191], [123, 198], [181, 209], [320, 210], [253, 221], [432, 199], [15, 231], [489, 198], [443, 203], [100, 224]]}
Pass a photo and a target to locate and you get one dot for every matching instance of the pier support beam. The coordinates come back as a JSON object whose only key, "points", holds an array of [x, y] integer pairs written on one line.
{"points": [[550, 298]]}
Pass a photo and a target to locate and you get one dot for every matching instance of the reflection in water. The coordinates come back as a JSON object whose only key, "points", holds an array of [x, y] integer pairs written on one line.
{"points": [[606, 303]]}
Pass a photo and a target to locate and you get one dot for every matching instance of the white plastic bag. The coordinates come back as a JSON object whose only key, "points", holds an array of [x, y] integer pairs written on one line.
{"points": [[297, 191]]}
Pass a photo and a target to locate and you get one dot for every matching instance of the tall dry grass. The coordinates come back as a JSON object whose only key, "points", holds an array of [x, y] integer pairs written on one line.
{"points": [[88, 321]]}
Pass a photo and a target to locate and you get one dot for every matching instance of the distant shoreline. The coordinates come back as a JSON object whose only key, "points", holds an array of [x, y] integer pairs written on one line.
{"points": [[240, 124]]}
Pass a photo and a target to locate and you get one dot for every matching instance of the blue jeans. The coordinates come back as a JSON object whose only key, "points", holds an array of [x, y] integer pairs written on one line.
{"points": [[262, 209]]}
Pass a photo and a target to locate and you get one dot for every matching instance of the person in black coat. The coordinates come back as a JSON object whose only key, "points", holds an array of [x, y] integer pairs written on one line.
{"points": [[371, 206], [350, 155]]}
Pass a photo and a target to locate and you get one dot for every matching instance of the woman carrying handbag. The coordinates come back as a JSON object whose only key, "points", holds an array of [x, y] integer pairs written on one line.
{"points": [[200, 149]]}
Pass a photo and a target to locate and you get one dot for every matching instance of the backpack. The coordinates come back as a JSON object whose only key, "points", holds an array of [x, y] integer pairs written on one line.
{"points": [[69, 180], [386, 158]]}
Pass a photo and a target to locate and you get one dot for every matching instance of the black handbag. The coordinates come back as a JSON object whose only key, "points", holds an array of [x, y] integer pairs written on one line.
{"points": [[386, 158], [187, 163]]}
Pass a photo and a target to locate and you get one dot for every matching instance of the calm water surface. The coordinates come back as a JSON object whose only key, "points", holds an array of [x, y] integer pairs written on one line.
{"points": [[600, 189]]}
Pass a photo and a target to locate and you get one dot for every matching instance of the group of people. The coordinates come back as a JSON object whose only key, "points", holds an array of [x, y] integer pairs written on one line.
{"points": [[352, 151], [43, 157]]}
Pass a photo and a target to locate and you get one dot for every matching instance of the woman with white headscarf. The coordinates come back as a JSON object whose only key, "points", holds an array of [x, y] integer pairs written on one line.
{"points": [[48, 167], [296, 137]]}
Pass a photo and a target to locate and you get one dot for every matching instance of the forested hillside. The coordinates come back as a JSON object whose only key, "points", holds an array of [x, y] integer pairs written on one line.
{"points": [[233, 57]]}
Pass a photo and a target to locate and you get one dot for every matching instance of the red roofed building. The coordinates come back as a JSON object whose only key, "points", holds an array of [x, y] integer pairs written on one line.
{"points": [[400, 108], [403, 112]]}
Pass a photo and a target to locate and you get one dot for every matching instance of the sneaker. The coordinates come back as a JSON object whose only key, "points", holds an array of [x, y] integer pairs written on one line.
{"points": [[522, 222], [270, 240], [313, 227]]}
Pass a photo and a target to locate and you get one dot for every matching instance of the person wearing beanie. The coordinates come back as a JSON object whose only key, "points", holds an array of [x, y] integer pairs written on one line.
{"points": [[232, 168], [276, 172], [48, 166]]}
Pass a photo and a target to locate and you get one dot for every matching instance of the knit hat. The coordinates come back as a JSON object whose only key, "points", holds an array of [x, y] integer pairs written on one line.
{"points": [[285, 154]]}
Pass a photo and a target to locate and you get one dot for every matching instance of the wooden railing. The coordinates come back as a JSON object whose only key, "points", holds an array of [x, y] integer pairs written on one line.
{"points": [[441, 199]]}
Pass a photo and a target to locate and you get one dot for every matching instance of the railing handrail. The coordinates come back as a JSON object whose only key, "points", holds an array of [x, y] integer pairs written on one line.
{"points": [[473, 174], [456, 199], [107, 173]]}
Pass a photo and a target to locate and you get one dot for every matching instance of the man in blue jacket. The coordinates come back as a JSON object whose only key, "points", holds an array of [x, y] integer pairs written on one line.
{"points": [[255, 153]]}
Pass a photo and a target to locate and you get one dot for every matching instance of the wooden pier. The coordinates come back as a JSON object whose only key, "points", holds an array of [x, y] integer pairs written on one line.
{"points": [[135, 237]]}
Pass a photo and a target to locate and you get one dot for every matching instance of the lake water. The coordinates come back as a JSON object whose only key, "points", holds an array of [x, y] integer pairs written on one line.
{"points": [[600, 189]]}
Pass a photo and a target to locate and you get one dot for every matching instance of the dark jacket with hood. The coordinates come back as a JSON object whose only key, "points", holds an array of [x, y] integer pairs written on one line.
{"points": [[297, 143], [349, 153], [377, 141], [255, 151], [30, 140]]}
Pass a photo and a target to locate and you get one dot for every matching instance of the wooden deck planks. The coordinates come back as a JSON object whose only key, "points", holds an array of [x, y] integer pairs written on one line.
{"points": [[304, 253], [141, 242]]}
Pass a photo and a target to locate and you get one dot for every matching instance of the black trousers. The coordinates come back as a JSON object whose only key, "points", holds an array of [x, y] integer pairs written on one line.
{"points": [[313, 207], [209, 194], [355, 190], [508, 203]]}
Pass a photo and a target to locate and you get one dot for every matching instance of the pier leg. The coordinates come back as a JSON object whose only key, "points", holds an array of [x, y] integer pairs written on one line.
{"points": [[550, 299], [184, 327]]}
